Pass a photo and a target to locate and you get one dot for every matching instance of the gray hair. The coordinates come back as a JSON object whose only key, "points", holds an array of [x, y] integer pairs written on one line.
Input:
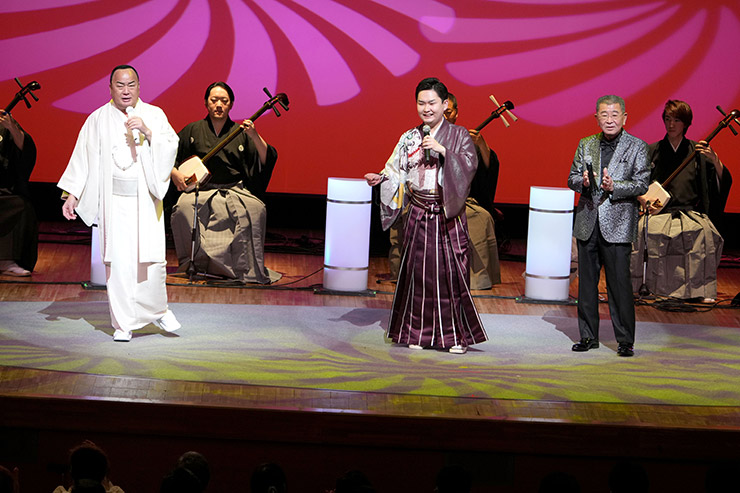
{"points": [[610, 99]]}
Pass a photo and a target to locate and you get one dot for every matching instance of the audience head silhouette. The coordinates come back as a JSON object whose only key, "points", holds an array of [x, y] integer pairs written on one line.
{"points": [[268, 478], [190, 475], [88, 467], [353, 482]]}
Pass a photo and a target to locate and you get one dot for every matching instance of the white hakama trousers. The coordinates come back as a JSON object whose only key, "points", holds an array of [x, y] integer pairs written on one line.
{"points": [[137, 293]]}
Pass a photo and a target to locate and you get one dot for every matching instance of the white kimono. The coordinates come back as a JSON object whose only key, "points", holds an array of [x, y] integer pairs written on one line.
{"points": [[121, 185]]}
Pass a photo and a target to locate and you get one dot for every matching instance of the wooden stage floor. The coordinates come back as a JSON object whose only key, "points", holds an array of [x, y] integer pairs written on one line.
{"points": [[651, 432]]}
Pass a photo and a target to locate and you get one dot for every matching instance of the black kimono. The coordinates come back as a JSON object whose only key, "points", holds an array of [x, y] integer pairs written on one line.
{"points": [[232, 218], [18, 225], [684, 246]]}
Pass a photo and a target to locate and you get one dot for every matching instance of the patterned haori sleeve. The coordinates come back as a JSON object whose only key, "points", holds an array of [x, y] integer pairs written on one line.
{"points": [[393, 187]]}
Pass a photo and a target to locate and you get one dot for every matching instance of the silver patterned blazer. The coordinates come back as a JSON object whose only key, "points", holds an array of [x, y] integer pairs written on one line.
{"points": [[617, 211]]}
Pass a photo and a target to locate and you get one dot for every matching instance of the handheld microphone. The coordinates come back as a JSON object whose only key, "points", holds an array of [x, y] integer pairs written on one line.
{"points": [[135, 132], [591, 176], [427, 130]]}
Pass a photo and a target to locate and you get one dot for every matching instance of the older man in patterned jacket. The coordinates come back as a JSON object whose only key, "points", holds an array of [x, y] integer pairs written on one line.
{"points": [[610, 170]]}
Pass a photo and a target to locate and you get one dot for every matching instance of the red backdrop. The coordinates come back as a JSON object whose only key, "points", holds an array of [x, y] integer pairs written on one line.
{"points": [[349, 68]]}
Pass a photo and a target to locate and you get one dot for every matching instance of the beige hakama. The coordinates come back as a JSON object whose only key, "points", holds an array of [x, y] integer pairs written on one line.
{"points": [[684, 251], [485, 270], [232, 225]]}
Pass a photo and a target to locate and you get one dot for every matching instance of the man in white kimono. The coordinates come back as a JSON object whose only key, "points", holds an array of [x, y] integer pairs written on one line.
{"points": [[118, 175]]}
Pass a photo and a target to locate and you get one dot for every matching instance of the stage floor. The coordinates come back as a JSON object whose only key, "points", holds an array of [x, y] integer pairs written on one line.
{"points": [[63, 267]]}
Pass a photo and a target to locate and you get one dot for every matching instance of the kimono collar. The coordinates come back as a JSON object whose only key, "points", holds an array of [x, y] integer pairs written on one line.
{"points": [[434, 131], [225, 130]]}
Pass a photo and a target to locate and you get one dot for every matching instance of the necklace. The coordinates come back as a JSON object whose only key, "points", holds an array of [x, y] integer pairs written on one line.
{"points": [[123, 159]]}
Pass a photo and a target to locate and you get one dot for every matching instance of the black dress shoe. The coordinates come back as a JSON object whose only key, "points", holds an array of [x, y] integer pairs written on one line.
{"points": [[585, 344], [625, 350]]}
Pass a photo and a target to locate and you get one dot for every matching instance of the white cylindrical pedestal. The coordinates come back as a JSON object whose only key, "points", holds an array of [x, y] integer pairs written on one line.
{"points": [[549, 243], [97, 267], [347, 236]]}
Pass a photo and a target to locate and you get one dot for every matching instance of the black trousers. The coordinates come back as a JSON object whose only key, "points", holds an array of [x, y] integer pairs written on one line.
{"points": [[615, 258]]}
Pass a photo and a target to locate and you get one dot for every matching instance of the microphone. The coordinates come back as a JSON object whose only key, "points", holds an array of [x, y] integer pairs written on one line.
{"points": [[591, 176], [135, 132], [427, 130]]}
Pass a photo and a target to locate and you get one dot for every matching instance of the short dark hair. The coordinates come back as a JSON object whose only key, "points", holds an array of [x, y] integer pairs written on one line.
{"points": [[196, 463], [681, 110], [181, 480], [266, 476], [88, 461], [432, 83], [221, 84], [122, 67], [452, 99], [611, 99]]}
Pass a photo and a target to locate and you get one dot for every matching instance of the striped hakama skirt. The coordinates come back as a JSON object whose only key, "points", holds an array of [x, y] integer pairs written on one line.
{"points": [[432, 305], [232, 227], [683, 254]]}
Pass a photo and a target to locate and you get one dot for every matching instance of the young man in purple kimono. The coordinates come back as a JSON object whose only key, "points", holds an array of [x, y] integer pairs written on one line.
{"points": [[430, 171]]}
